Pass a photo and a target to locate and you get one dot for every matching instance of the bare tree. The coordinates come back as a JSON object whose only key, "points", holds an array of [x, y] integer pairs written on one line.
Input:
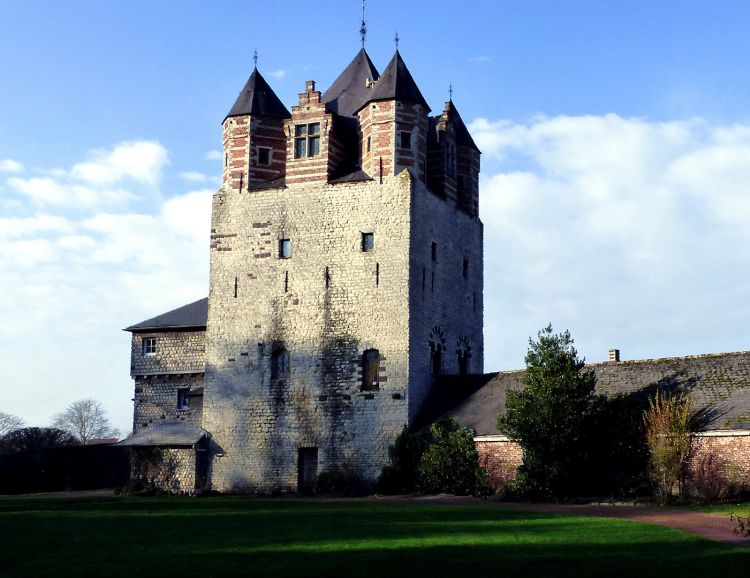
{"points": [[8, 423], [86, 420]]}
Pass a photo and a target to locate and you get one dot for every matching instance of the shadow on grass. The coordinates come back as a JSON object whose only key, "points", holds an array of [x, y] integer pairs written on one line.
{"points": [[241, 536]]}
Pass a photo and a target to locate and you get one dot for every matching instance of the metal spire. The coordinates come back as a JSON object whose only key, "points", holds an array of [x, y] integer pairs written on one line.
{"points": [[255, 58], [396, 39], [450, 92], [363, 26]]}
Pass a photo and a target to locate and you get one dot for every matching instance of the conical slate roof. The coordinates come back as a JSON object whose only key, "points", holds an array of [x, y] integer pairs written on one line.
{"points": [[258, 98], [351, 90], [463, 137], [396, 83]]}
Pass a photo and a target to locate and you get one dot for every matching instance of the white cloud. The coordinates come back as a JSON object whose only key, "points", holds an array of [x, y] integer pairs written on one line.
{"points": [[193, 177], [214, 155], [629, 232], [10, 166], [141, 161], [277, 74]]}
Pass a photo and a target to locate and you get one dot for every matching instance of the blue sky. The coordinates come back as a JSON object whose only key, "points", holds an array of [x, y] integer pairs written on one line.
{"points": [[616, 141]]}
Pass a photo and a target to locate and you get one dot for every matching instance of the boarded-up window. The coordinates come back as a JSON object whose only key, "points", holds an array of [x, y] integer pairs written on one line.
{"points": [[370, 370]]}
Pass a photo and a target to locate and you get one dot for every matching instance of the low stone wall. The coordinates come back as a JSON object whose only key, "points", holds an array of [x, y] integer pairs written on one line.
{"points": [[719, 464]]}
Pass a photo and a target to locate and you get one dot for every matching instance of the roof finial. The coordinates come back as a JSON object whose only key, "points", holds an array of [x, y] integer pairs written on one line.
{"points": [[255, 58], [363, 26], [396, 39], [450, 92]]}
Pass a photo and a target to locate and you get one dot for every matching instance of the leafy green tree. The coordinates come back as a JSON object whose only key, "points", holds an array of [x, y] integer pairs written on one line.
{"points": [[551, 417], [29, 439], [450, 463]]}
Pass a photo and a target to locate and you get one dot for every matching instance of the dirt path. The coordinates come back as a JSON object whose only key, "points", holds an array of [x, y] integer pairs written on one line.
{"points": [[712, 526]]}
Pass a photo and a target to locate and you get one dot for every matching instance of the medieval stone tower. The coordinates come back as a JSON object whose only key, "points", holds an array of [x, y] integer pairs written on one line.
{"points": [[346, 276]]}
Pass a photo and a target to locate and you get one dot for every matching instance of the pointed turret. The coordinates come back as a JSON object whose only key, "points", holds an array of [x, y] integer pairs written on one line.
{"points": [[353, 88], [258, 98], [253, 135], [397, 83]]}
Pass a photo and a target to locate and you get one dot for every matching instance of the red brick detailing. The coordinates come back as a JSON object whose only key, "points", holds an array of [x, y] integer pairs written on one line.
{"points": [[501, 459], [719, 464]]}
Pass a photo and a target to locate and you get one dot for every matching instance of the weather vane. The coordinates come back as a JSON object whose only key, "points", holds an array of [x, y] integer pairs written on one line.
{"points": [[396, 39], [363, 27], [255, 58], [450, 91]]}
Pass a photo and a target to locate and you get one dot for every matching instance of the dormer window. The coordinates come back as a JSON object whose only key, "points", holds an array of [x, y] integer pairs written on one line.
{"points": [[306, 140], [405, 140]]}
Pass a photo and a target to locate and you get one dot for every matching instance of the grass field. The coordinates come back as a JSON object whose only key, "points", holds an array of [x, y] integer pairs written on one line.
{"points": [[236, 536]]}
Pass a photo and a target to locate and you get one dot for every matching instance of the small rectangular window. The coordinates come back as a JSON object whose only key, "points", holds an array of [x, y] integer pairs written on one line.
{"points": [[368, 242], [369, 143], [149, 346], [405, 142], [466, 268], [306, 140], [434, 252], [264, 156], [370, 370], [182, 398], [285, 248]]}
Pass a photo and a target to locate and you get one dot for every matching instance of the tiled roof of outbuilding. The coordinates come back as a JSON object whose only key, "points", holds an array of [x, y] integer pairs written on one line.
{"points": [[397, 83], [257, 97], [719, 385], [167, 434], [191, 316], [351, 90]]}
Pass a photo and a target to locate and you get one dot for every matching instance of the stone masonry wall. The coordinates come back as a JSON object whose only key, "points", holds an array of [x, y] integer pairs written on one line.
{"points": [[155, 400], [447, 307], [325, 305], [176, 352], [501, 457]]}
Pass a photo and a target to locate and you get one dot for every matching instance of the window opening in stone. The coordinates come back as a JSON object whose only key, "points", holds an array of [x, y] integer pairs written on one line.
{"points": [[377, 274], [182, 398], [286, 281], [264, 156], [432, 282], [327, 277], [466, 268], [405, 142], [306, 140], [280, 364], [434, 252], [149, 346], [436, 358], [463, 361], [369, 143], [285, 249], [368, 242], [370, 370], [236, 281]]}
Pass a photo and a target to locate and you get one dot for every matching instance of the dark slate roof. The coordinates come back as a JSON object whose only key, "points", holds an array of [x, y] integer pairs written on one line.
{"points": [[463, 137], [191, 316], [258, 98], [166, 434], [719, 385], [397, 83], [355, 176], [351, 91]]}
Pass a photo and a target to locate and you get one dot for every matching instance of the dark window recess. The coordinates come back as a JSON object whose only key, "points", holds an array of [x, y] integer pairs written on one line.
{"points": [[369, 143], [327, 276], [280, 364], [432, 282], [286, 281], [405, 142], [466, 268], [264, 156], [182, 398], [236, 281], [377, 274], [463, 362], [436, 358], [149, 346], [226, 159], [307, 469], [285, 248], [306, 140], [368, 242], [434, 252], [370, 370], [241, 182]]}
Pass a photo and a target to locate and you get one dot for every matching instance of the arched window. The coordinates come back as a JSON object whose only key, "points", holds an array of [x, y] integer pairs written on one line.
{"points": [[280, 364], [370, 370], [437, 359], [463, 361]]}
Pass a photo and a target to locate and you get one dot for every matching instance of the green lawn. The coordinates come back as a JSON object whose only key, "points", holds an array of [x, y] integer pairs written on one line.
{"points": [[233, 536], [742, 509]]}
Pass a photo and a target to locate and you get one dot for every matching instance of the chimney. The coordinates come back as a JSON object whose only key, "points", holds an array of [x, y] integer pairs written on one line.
{"points": [[614, 355], [309, 85]]}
